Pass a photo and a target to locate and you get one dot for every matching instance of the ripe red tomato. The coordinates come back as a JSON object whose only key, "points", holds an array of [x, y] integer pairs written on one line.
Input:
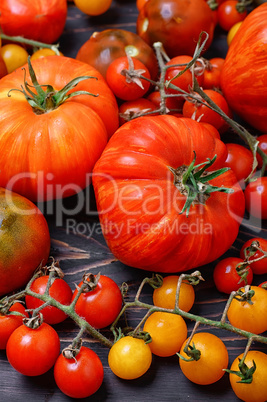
{"points": [[72, 145], [263, 146], [244, 73], [41, 20], [31, 351], [59, 290], [80, 376], [258, 267], [122, 85], [212, 130], [101, 305], [229, 15], [131, 109], [169, 21], [24, 240], [140, 208], [256, 197], [240, 160], [226, 277], [9, 322], [212, 73], [105, 46]]}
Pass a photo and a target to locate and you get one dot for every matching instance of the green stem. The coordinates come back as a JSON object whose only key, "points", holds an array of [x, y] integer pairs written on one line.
{"points": [[31, 42]]}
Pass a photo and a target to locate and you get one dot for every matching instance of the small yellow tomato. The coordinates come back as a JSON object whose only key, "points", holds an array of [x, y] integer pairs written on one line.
{"points": [[93, 7], [14, 56], [43, 53], [232, 32]]}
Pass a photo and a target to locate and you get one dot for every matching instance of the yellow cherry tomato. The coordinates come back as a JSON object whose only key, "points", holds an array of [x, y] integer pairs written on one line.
{"points": [[14, 56], [43, 53], [93, 7], [232, 32]]}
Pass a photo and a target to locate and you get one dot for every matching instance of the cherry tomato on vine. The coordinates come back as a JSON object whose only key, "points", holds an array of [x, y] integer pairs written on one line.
{"points": [[168, 332], [258, 267], [240, 160], [263, 146], [129, 358], [212, 362], [14, 56], [44, 52], [101, 305], [131, 109], [172, 103], [80, 376], [59, 290], [165, 295], [228, 15], [9, 322], [250, 316], [31, 351], [256, 197], [93, 7], [226, 277], [212, 73], [256, 391], [122, 86]]}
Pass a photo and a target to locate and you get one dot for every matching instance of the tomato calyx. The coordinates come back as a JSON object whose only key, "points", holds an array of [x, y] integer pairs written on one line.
{"points": [[192, 352], [34, 322], [90, 282], [43, 101], [245, 295], [193, 182], [245, 373], [71, 351], [133, 75]]}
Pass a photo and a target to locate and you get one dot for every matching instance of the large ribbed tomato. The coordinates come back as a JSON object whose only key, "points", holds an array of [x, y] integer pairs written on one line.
{"points": [[244, 73], [41, 20], [140, 195], [50, 153]]}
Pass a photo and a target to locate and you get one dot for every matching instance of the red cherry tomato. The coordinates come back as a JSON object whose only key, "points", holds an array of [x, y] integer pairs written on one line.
{"points": [[59, 290], [9, 322], [101, 305], [226, 277], [258, 267], [173, 104], [240, 160], [131, 109], [212, 73], [228, 15], [256, 197], [212, 130], [263, 146]]}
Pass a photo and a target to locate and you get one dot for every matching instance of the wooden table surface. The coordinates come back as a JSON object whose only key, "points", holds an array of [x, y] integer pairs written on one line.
{"points": [[81, 248]]}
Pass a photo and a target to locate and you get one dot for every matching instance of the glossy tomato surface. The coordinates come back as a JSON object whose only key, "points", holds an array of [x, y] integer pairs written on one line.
{"points": [[251, 253], [9, 322], [256, 197]]}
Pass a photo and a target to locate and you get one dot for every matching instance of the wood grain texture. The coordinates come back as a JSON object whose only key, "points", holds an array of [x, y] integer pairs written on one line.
{"points": [[84, 250]]}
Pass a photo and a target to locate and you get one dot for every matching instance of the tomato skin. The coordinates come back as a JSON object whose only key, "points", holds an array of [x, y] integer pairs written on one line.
{"points": [[146, 211], [41, 20], [256, 391], [8, 323], [105, 46], [232, 31], [24, 240], [168, 332], [80, 141], [129, 358], [128, 109], [165, 295], [3, 67], [212, 73], [59, 290], [243, 86], [173, 104], [33, 352], [44, 52], [96, 7], [79, 377], [228, 15], [263, 146], [250, 317], [100, 306], [213, 360], [256, 197], [167, 21], [258, 267], [240, 160], [226, 278]]}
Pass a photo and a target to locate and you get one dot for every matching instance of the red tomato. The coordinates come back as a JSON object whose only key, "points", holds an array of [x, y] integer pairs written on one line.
{"points": [[212, 130], [59, 290], [131, 109], [172, 104], [140, 208], [169, 21], [105, 46], [212, 73], [72, 145], [41, 20], [244, 74], [263, 146], [258, 267], [256, 198], [80, 376], [9, 322], [140, 4], [229, 15], [101, 305], [24, 240], [196, 110], [33, 352], [122, 85], [240, 160], [226, 276]]}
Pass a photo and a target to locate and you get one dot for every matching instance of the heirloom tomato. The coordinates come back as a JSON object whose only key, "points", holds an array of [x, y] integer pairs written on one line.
{"points": [[41, 20], [244, 73], [251, 253], [24, 240], [143, 195], [33, 351], [49, 150], [256, 197], [105, 46], [230, 274], [176, 24], [256, 391], [209, 368], [79, 376], [9, 322]]}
